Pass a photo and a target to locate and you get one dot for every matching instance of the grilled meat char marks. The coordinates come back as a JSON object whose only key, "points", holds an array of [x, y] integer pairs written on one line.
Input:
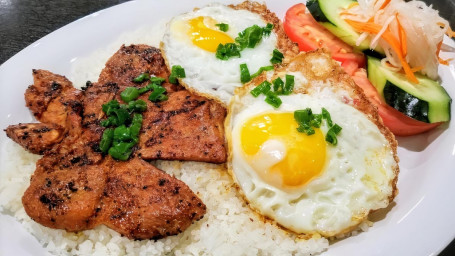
{"points": [[185, 127], [35, 137], [136, 205], [75, 187]]}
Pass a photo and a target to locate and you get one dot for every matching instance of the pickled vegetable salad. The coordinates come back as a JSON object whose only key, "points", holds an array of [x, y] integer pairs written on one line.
{"points": [[402, 29]]}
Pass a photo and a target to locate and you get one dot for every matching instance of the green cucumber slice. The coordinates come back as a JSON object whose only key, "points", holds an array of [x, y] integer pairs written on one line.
{"points": [[327, 13], [427, 101]]}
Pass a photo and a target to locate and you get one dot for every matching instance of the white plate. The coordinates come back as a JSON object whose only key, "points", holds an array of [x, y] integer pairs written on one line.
{"points": [[422, 222]]}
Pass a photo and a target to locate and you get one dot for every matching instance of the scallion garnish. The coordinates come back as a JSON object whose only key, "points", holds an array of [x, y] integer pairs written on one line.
{"points": [[106, 140], [137, 106], [331, 136], [268, 29], [129, 94], [263, 88], [273, 99], [248, 38], [326, 116], [223, 27], [278, 86], [226, 51], [176, 72], [141, 78], [277, 57], [244, 73], [307, 120], [289, 86], [261, 69], [157, 92]]}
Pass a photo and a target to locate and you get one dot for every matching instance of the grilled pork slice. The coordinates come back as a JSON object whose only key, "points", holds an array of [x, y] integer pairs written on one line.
{"points": [[35, 137], [185, 127], [143, 202], [64, 198], [52, 97], [134, 198]]}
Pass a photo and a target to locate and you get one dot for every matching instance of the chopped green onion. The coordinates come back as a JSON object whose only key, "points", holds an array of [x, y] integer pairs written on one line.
{"points": [[303, 116], [331, 136], [249, 37], [261, 69], [277, 57], [326, 116], [143, 90], [129, 94], [226, 51], [264, 88], [136, 125], [307, 120], [122, 133], [113, 104], [137, 106], [267, 29], [155, 95], [141, 78], [278, 86], [176, 72], [106, 140], [119, 141], [159, 80], [162, 97], [289, 86], [316, 120], [306, 129], [223, 27], [273, 99], [122, 150], [244, 73]]}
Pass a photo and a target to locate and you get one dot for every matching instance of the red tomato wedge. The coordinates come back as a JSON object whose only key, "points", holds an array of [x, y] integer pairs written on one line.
{"points": [[303, 29]]}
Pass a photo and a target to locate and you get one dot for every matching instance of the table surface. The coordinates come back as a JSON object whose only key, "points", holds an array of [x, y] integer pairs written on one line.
{"points": [[25, 21]]}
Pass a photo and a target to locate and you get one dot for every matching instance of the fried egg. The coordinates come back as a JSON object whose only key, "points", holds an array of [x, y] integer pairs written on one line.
{"points": [[191, 41], [301, 181]]}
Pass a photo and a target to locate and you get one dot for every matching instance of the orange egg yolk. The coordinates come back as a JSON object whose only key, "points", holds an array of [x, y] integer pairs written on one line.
{"points": [[305, 155], [207, 38]]}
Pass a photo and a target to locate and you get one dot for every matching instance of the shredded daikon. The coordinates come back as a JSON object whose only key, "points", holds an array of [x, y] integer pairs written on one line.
{"points": [[415, 27]]}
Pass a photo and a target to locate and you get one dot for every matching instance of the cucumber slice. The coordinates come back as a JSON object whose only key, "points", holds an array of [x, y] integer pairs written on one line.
{"points": [[327, 13], [427, 101]]}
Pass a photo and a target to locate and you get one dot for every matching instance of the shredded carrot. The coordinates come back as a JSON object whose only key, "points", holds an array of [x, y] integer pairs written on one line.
{"points": [[439, 49], [416, 69], [386, 2], [402, 36], [449, 31], [373, 28], [444, 62]]}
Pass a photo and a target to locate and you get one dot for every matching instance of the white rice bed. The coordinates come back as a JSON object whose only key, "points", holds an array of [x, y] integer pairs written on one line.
{"points": [[228, 228]]}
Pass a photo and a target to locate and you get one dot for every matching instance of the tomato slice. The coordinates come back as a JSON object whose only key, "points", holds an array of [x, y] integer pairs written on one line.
{"points": [[397, 122], [303, 29]]}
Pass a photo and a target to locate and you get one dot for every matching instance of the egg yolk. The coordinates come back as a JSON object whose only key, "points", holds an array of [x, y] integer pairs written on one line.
{"points": [[304, 155], [207, 38]]}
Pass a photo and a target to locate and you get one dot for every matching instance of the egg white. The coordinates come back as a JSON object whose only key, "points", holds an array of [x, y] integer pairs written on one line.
{"points": [[356, 178], [205, 73]]}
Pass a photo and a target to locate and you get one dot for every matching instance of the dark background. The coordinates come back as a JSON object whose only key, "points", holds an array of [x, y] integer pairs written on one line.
{"points": [[22, 22]]}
